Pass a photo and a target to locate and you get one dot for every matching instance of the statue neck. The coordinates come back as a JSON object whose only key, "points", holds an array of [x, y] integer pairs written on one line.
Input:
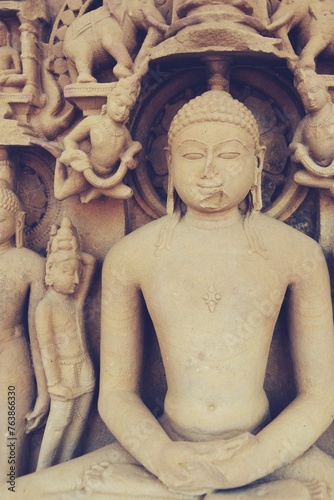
{"points": [[4, 247], [322, 116], [214, 220]]}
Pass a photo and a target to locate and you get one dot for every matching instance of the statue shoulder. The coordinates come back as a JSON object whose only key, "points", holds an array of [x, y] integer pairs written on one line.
{"points": [[286, 240], [133, 255], [140, 243], [31, 258]]}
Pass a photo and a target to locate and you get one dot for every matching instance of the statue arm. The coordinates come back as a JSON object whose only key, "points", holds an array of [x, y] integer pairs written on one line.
{"points": [[120, 405], [303, 157], [299, 425], [49, 354], [79, 133], [35, 417], [300, 154], [132, 148], [47, 344], [88, 266], [17, 62]]}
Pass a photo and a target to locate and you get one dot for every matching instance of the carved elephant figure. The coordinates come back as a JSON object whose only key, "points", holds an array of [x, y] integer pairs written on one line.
{"points": [[314, 19], [112, 30]]}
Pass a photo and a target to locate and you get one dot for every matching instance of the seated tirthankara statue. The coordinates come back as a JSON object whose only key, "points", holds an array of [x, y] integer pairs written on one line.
{"points": [[21, 278], [213, 277]]}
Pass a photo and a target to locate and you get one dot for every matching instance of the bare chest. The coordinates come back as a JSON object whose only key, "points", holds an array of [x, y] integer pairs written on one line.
{"points": [[319, 140], [219, 298], [106, 148]]}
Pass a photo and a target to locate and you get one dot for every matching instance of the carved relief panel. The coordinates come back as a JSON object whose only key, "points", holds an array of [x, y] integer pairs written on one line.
{"points": [[89, 91]]}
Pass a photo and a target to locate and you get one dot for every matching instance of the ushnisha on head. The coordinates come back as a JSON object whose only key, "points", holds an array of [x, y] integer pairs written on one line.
{"points": [[9, 203], [236, 130], [62, 251]]}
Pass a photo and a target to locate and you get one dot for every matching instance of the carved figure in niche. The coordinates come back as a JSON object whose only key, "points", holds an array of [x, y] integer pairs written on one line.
{"points": [[93, 174], [60, 332], [315, 28], [21, 277], [225, 274], [313, 142], [111, 30], [10, 62]]}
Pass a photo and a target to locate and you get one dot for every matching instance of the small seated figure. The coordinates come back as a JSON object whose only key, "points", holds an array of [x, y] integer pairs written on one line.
{"points": [[21, 285], [10, 62], [60, 332], [100, 172], [313, 141]]}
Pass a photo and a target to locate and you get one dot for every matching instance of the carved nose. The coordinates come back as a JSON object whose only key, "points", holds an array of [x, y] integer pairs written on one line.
{"points": [[208, 171]]}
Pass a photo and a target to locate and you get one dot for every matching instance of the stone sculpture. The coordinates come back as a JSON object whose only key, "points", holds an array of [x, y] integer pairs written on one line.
{"points": [[60, 332], [314, 21], [10, 62], [21, 276], [225, 269], [93, 174], [111, 31], [313, 143], [224, 275], [212, 274]]}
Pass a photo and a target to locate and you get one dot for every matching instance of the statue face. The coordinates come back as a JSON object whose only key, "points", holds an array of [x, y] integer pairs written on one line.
{"points": [[7, 225], [65, 276], [314, 95], [119, 108], [213, 165]]}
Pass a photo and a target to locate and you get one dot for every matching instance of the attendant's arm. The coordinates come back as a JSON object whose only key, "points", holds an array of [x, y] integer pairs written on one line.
{"points": [[132, 148], [79, 133], [312, 347], [120, 404], [35, 417], [88, 266], [48, 348], [73, 156], [300, 153]]}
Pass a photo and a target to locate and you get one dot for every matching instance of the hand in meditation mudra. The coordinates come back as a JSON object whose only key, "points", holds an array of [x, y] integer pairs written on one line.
{"points": [[213, 279]]}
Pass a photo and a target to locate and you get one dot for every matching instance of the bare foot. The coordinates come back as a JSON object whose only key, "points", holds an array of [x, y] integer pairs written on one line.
{"points": [[318, 490], [277, 490]]}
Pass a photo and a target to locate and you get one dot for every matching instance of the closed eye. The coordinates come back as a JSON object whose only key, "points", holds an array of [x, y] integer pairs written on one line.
{"points": [[193, 156], [229, 156]]}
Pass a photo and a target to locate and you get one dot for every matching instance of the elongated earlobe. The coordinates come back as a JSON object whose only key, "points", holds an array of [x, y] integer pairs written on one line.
{"points": [[256, 189], [170, 189], [20, 216]]}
